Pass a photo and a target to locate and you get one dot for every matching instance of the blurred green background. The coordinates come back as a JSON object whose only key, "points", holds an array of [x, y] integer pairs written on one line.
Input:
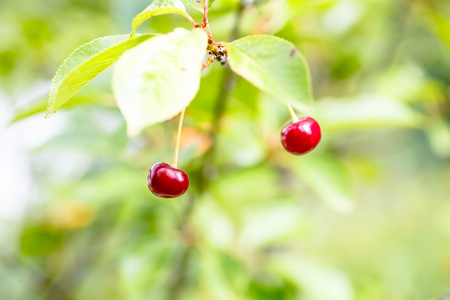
{"points": [[366, 216]]}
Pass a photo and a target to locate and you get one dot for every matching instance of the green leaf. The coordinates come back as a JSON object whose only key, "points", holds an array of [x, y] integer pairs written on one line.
{"points": [[312, 277], [40, 240], [441, 25], [198, 4], [85, 63], [329, 179], [364, 112], [275, 66], [159, 7], [156, 80], [40, 105], [438, 133]]}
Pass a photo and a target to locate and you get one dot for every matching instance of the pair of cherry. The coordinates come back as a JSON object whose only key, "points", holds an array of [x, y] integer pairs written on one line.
{"points": [[299, 137]]}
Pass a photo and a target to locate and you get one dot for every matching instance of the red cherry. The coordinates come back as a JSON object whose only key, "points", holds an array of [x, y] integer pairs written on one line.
{"points": [[301, 137], [167, 182]]}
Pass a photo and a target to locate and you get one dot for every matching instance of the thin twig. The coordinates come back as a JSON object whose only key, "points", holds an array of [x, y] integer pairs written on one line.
{"points": [[205, 19]]}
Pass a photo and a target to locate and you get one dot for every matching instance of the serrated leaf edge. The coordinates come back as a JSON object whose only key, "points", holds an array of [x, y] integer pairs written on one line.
{"points": [[54, 88]]}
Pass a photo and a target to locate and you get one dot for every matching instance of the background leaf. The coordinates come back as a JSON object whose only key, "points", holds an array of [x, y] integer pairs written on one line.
{"points": [[273, 65], [85, 63], [198, 4], [441, 25], [313, 277], [40, 104], [329, 179], [155, 81], [368, 111], [158, 7]]}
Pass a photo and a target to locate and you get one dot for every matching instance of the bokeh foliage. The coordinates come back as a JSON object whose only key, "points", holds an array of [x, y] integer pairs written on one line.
{"points": [[365, 216]]}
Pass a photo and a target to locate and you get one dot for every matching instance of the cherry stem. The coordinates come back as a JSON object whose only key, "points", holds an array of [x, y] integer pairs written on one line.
{"points": [[210, 60], [293, 115], [177, 146]]}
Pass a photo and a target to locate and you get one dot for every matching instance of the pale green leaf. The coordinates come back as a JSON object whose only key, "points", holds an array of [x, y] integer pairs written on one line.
{"points": [[318, 281], [40, 105], [159, 7], [157, 79], [364, 112], [85, 63], [441, 25], [275, 66], [198, 4], [258, 230], [329, 179], [438, 133]]}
